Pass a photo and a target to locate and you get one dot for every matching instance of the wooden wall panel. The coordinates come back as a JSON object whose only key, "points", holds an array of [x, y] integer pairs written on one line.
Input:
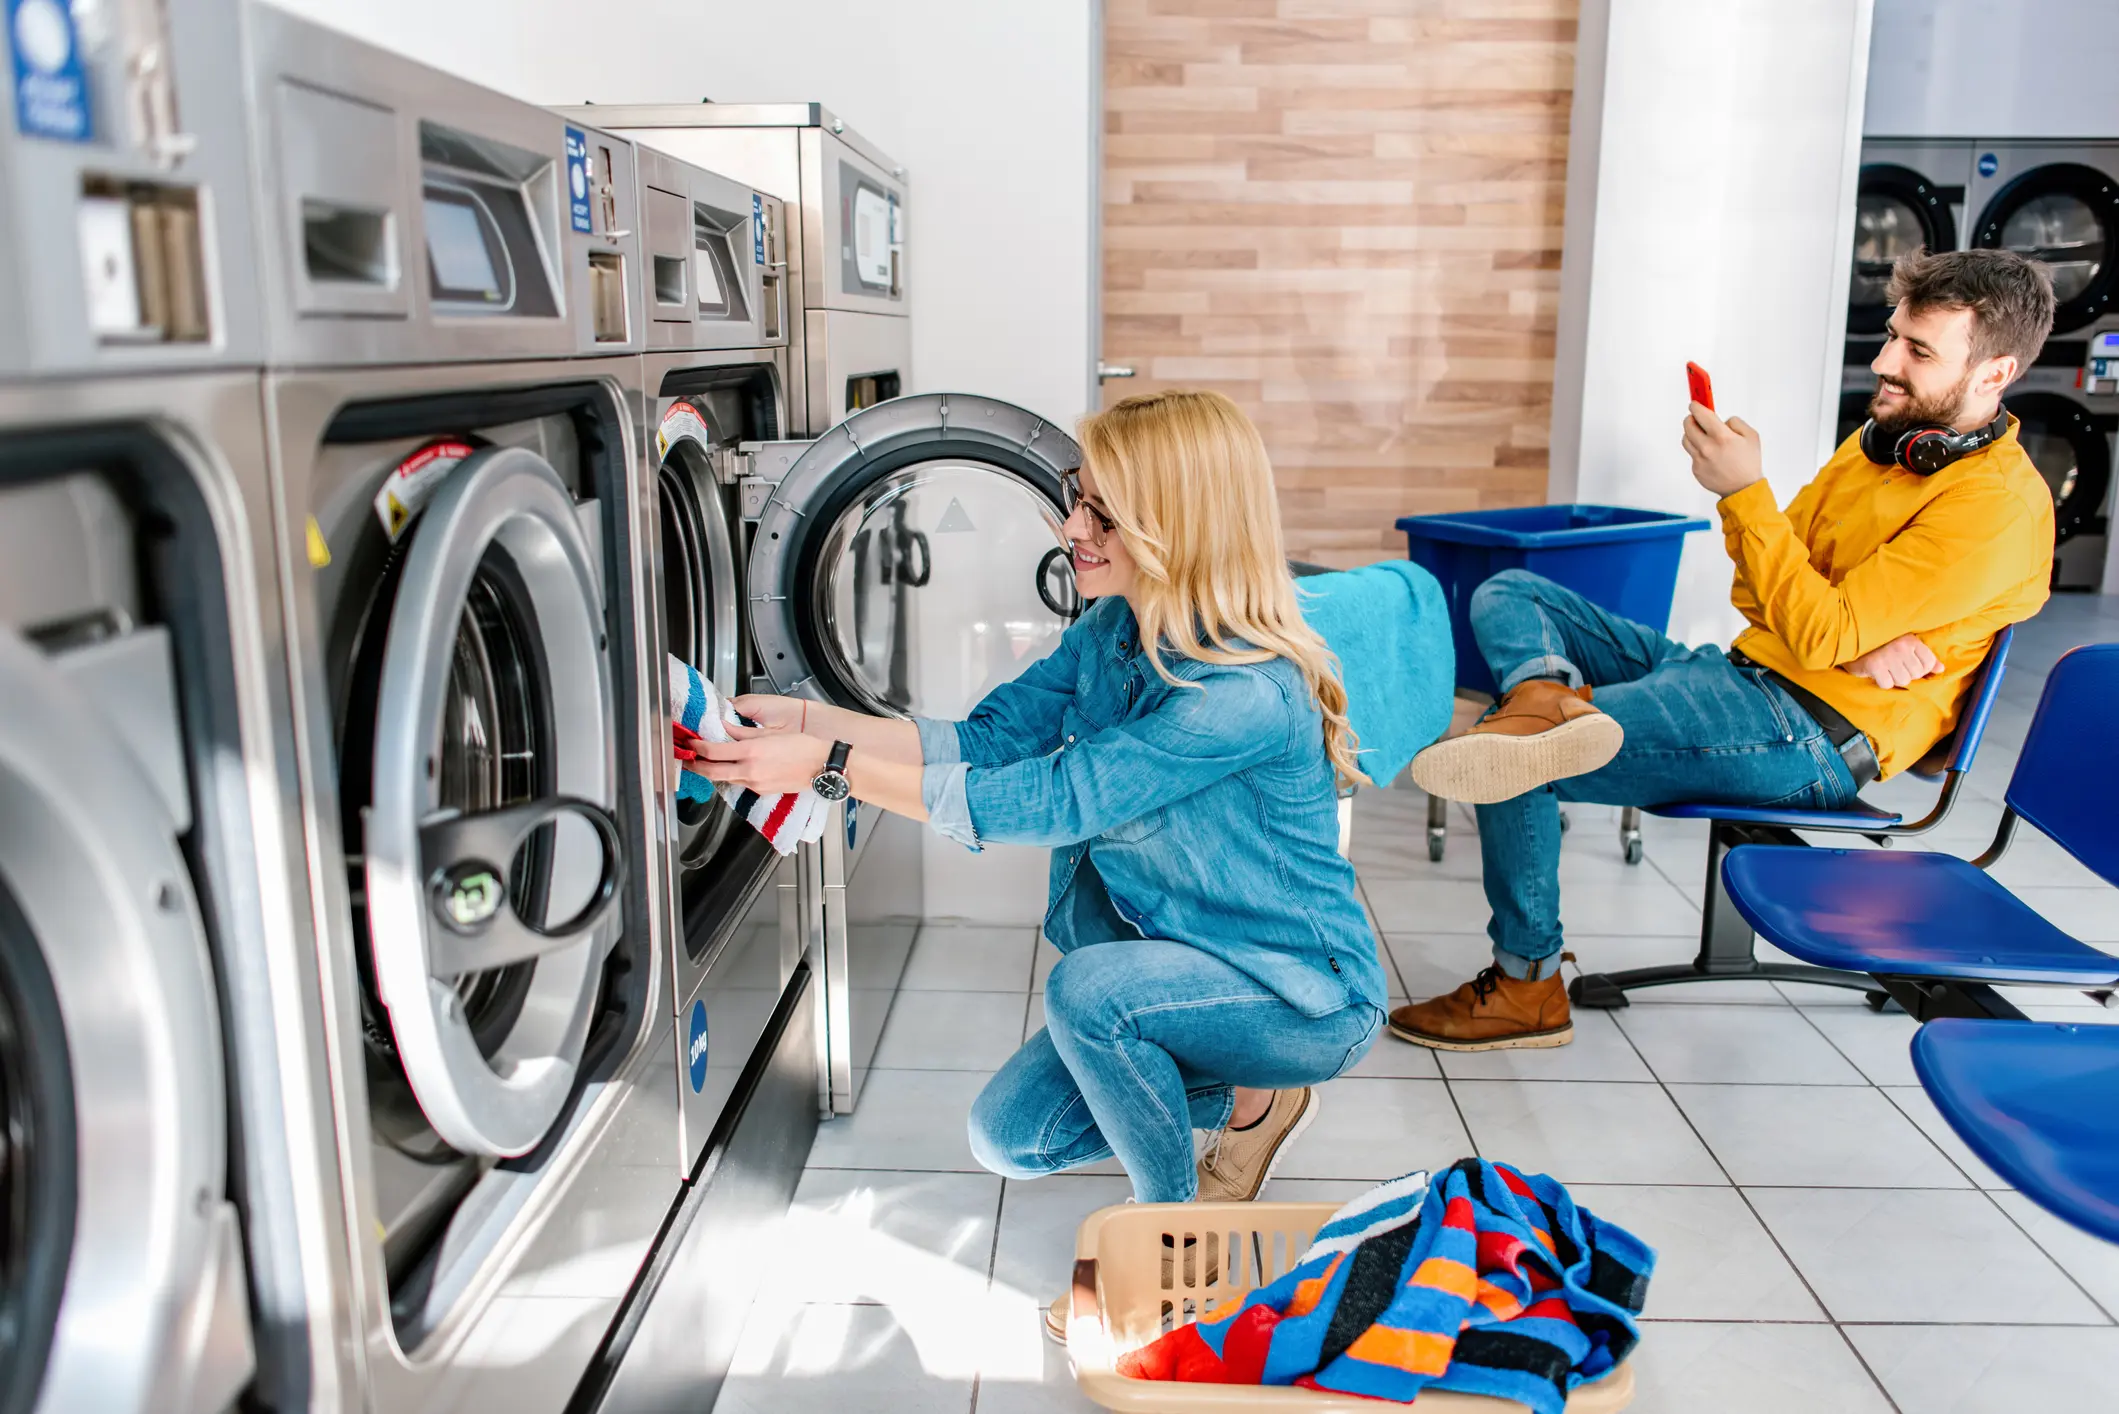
{"points": [[1345, 214]]}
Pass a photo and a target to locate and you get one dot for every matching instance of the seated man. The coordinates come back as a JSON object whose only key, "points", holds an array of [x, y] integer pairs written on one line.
{"points": [[1872, 600]]}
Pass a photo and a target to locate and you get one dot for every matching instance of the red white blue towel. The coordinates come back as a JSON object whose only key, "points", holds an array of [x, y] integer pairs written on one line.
{"points": [[1484, 1281], [698, 706]]}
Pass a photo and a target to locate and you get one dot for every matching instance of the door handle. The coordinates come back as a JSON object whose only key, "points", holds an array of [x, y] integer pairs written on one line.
{"points": [[1107, 371]]}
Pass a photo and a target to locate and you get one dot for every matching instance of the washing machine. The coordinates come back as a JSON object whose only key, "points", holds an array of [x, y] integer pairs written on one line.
{"points": [[454, 329], [166, 1233], [2057, 202], [847, 209], [1911, 196], [717, 338]]}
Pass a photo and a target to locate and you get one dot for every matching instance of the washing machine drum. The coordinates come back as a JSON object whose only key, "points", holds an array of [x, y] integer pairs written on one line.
{"points": [[700, 609], [1897, 211], [2074, 455], [2066, 215], [489, 862], [121, 1282]]}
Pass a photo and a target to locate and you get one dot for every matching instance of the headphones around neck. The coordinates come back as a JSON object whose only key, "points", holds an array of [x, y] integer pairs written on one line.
{"points": [[1928, 447]]}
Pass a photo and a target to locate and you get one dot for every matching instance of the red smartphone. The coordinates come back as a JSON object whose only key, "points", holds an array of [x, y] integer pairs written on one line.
{"points": [[1701, 386]]}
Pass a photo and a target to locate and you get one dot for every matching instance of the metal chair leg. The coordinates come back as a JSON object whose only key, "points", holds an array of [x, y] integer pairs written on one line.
{"points": [[1728, 947], [1437, 827]]}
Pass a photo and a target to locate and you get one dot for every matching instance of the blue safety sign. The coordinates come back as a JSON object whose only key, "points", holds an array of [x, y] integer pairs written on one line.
{"points": [[1989, 164], [578, 179], [853, 825], [695, 1046], [757, 229], [51, 96]]}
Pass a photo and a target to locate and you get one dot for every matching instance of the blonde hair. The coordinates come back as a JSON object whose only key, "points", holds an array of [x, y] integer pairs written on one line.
{"points": [[1185, 477]]}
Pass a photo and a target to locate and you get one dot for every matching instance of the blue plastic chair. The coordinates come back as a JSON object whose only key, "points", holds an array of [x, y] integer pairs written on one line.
{"points": [[1935, 931], [1727, 943], [2035, 1101]]}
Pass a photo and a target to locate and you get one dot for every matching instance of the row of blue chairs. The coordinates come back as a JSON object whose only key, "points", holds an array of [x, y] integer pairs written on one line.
{"points": [[2038, 1102]]}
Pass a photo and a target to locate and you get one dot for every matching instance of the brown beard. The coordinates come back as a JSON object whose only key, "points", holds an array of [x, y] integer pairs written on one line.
{"points": [[1915, 411]]}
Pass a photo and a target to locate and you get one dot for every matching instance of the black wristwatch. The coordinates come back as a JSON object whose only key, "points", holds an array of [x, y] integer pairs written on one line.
{"points": [[831, 783]]}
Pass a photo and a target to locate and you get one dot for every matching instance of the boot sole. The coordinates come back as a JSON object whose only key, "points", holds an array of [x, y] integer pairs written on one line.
{"points": [[1484, 768], [1526, 1041]]}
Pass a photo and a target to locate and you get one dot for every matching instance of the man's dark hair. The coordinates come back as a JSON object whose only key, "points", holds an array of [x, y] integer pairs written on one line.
{"points": [[2010, 296]]}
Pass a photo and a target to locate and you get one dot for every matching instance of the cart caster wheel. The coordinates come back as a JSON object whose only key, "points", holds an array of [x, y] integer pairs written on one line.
{"points": [[1633, 850], [1565, 823], [1876, 1001], [1435, 844]]}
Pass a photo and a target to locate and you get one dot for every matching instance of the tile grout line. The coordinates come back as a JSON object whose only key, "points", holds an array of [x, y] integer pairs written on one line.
{"points": [[993, 1258], [1764, 1226]]}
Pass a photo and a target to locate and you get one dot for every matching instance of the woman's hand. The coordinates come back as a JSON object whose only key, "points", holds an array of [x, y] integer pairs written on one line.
{"points": [[773, 714], [768, 761]]}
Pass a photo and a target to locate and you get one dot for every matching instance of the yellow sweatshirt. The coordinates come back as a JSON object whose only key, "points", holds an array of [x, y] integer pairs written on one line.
{"points": [[1866, 553]]}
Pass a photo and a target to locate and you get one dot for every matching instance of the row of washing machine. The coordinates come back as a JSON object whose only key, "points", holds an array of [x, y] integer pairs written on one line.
{"points": [[377, 1031], [2057, 202]]}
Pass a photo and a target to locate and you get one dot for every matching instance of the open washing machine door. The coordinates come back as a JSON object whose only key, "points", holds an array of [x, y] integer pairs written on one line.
{"points": [[910, 560], [121, 1271], [905, 563], [700, 603], [490, 862]]}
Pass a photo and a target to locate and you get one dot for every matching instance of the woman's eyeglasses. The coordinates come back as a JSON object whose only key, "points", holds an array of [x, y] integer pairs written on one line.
{"points": [[1071, 496]]}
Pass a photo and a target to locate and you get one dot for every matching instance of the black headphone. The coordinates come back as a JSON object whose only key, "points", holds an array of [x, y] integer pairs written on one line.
{"points": [[1928, 447]]}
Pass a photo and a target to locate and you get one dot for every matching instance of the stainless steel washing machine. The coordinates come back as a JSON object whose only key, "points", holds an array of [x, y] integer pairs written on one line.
{"points": [[907, 562], [168, 1233], [717, 348], [1911, 197], [454, 330], [848, 206]]}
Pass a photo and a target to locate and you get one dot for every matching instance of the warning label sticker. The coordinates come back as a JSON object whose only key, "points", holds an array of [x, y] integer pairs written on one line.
{"points": [[408, 488], [682, 421]]}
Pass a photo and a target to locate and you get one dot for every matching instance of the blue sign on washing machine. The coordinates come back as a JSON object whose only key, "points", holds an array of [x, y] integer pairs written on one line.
{"points": [[757, 229], [695, 1046], [51, 97], [1989, 164], [853, 823], [578, 180]]}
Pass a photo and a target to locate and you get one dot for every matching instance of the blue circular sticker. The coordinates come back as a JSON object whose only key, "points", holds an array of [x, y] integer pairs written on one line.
{"points": [[1989, 164], [695, 1046]]}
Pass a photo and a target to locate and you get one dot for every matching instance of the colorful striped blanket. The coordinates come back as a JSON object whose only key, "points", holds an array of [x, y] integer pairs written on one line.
{"points": [[1483, 1281]]}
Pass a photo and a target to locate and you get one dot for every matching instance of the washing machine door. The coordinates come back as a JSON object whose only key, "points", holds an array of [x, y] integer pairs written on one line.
{"points": [[1896, 212], [2067, 215], [121, 1282], [911, 559], [700, 603], [490, 857], [2072, 450]]}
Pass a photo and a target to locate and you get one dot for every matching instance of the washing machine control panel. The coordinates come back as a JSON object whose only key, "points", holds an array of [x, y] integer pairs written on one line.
{"points": [[2101, 373]]}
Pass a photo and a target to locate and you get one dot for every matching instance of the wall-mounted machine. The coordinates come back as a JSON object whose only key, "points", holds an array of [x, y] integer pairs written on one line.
{"points": [[454, 323], [847, 203], [168, 1229], [2057, 202]]}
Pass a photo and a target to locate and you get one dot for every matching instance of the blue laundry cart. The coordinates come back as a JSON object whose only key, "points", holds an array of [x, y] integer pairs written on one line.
{"points": [[1618, 557]]}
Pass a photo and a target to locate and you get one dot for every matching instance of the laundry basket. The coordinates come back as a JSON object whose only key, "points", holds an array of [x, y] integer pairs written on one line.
{"points": [[1143, 1269]]}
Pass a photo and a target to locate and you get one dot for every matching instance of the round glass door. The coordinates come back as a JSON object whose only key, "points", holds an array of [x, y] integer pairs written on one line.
{"points": [[1896, 213], [36, 1162], [2071, 453], [2066, 216], [942, 581]]}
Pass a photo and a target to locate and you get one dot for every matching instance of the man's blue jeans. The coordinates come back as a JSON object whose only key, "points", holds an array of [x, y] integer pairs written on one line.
{"points": [[1698, 728], [1143, 1042]]}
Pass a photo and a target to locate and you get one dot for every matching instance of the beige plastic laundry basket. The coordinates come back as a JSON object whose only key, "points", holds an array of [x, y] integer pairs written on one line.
{"points": [[1130, 1287]]}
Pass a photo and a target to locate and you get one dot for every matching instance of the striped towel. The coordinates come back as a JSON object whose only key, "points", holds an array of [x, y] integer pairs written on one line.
{"points": [[785, 820], [1483, 1281]]}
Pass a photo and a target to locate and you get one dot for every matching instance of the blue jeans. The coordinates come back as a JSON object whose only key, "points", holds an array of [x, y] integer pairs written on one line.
{"points": [[1143, 1043], [1698, 728]]}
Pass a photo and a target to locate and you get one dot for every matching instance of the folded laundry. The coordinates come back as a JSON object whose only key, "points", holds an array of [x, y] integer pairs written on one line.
{"points": [[1483, 1281], [699, 710]]}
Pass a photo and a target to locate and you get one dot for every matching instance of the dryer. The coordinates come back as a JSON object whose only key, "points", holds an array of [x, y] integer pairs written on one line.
{"points": [[453, 317], [847, 204], [1911, 196], [168, 1233]]}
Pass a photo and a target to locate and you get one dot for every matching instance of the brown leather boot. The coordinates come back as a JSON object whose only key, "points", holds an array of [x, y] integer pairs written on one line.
{"points": [[1541, 731], [1492, 1012]]}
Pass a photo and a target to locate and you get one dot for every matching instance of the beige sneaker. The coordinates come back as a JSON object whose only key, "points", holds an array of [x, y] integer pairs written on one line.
{"points": [[1238, 1162], [1056, 1317], [1541, 731], [1208, 1272]]}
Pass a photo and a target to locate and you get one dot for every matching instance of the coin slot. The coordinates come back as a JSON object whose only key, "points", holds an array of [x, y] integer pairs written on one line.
{"points": [[142, 262]]}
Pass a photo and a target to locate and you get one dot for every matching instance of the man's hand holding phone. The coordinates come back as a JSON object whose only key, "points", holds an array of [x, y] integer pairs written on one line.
{"points": [[1725, 454]]}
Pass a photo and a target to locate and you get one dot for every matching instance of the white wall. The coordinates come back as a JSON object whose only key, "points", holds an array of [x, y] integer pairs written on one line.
{"points": [[992, 107], [1994, 69], [1710, 195]]}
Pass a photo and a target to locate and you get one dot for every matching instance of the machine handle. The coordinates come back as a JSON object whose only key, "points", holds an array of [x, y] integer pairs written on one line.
{"points": [[912, 538], [1105, 372], [466, 859], [1057, 590]]}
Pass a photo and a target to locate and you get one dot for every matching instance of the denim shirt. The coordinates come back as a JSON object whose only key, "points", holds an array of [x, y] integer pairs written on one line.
{"points": [[1205, 815]]}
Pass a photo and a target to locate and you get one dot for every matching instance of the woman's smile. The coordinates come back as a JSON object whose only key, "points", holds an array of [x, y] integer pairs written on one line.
{"points": [[1087, 561]]}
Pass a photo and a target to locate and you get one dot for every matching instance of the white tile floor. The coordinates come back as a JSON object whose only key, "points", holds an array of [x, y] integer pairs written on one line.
{"points": [[1826, 1243]]}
